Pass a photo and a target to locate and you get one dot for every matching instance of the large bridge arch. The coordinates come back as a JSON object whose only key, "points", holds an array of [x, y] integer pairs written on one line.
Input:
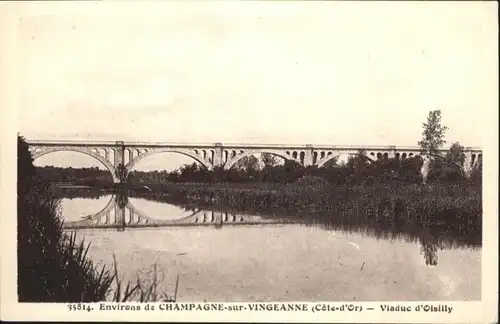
{"points": [[282, 154], [38, 152], [330, 157], [156, 222], [197, 157], [93, 218]]}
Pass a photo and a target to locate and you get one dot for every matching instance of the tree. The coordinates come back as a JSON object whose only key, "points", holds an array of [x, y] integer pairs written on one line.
{"points": [[269, 160], [25, 168], [331, 163], [433, 134], [121, 172], [476, 175], [248, 163], [191, 172], [450, 168], [455, 155], [293, 170], [358, 162]]}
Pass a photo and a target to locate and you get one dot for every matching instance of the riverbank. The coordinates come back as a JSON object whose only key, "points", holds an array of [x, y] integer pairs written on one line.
{"points": [[438, 210], [450, 212], [300, 261], [53, 266]]}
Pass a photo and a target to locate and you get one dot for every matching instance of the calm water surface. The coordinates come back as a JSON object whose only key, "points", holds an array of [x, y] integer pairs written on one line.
{"points": [[248, 259]]}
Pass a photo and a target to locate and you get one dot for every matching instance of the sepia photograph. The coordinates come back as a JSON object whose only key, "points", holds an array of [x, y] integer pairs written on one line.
{"points": [[258, 152]]}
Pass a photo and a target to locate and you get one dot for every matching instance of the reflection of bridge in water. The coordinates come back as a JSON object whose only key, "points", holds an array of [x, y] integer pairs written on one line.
{"points": [[125, 215]]}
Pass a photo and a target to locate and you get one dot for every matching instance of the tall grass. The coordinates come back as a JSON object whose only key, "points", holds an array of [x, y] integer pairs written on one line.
{"points": [[448, 211], [52, 265], [56, 267], [142, 290]]}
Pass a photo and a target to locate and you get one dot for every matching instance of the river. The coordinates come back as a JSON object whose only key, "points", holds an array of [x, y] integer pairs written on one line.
{"points": [[219, 256]]}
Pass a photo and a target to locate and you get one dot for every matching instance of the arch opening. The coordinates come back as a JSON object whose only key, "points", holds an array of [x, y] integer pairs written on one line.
{"points": [[473, 159], [340, 159], [91, 167], [230, 164], [154, 211], [302, 156], [315, 157], [158, 166], [81, 203]]}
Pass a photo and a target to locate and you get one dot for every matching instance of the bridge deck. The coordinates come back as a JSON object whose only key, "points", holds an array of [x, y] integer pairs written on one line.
{"points": [[231, 145]]}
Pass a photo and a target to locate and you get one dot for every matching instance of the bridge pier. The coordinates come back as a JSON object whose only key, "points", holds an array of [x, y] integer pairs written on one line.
{"points": [[119, 162], [218, 159], [119, 216], [308, 157], [467, 163], [119, 153], [392, 152]]}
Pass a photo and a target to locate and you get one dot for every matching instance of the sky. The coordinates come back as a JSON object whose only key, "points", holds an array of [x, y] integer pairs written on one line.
{"points": [[356, 73]]}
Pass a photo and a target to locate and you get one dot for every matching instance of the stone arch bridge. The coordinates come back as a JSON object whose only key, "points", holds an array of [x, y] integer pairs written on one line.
{"points": [[120, 157]]}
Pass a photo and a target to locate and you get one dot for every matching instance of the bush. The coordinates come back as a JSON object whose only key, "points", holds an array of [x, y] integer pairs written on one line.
{"points": [[312, 181]]}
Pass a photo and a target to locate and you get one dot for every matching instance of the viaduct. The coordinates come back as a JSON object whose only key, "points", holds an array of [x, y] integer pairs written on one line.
{"points": [[121, 157]]}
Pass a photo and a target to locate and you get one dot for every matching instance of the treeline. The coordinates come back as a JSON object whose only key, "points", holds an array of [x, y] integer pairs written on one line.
{"points": [[358, 170], [92, 176]]}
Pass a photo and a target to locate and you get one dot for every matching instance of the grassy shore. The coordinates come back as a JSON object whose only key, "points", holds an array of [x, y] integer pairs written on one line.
{"points": [[450, 212], [54, 266], [442, 210]]}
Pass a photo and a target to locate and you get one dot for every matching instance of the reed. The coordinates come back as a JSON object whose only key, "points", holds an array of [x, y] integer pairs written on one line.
{"points": [[142, 291], [52, 265], [452, 210]]}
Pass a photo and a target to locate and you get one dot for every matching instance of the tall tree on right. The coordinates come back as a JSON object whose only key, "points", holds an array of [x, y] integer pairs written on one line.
{"points": [[433, 134], [432, 141]]}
